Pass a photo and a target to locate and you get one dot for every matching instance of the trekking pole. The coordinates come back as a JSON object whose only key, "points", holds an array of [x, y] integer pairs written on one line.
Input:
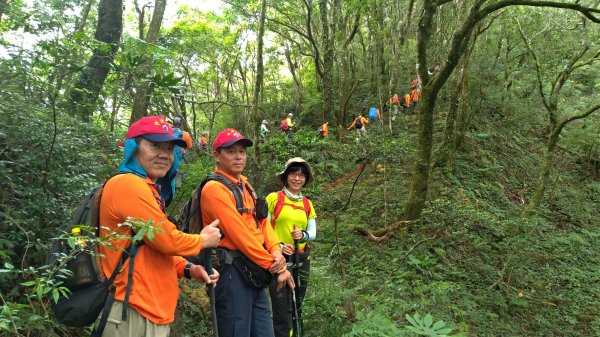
{"points": [[211, 292], [296, 276], [295, 317]]}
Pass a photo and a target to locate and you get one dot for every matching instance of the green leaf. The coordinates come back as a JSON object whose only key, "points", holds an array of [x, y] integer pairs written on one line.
{"points": [[55, 295], [438, 325], [411, 320], [428, 320]]}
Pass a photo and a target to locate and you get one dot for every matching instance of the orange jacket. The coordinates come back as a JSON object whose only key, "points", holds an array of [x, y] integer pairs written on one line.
{"points": [[394, 99], [414, 95], [407, 100], [362, 119], [324, 130], [158, 263], [188, 140], [255, 240]]}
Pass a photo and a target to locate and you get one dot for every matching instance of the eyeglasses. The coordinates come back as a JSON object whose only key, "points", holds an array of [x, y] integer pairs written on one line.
{"points": [[299, 175]]}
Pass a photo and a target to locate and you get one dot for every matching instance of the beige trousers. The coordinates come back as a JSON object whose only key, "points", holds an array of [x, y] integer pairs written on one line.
{"points": [[136, 325]]}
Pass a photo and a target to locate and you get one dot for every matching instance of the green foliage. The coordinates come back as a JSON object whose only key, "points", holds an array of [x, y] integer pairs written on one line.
{"points": [[426, 327], [47, 165]]}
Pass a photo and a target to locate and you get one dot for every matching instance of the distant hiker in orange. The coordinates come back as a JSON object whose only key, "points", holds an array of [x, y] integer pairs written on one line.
{"points": [[414, 95], [286, 125], [359, 124], [204, 142], [324, 129], [395, 101], [406, 101]]}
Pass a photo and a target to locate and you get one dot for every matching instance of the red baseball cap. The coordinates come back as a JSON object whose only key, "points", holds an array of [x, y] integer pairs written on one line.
{"points": [[229, 137], [155, 129]]}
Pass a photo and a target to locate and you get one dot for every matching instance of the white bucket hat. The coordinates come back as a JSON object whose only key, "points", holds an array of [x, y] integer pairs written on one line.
{"points": [[296, 160]]}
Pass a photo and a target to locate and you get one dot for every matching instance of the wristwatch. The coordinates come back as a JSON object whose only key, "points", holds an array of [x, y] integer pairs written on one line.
{"points": [[186, 270]]}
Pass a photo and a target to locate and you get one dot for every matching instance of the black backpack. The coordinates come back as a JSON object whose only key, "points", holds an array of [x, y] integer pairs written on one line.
{"points": [[359, 123], [77, 264], [190, 215]]}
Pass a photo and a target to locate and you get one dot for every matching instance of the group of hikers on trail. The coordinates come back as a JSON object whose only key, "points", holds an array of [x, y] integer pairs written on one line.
{"points": [[258, 245]]}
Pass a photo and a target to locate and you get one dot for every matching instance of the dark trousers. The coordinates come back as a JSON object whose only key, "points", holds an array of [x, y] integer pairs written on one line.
{"points": [[241, 311], [281, 301]]}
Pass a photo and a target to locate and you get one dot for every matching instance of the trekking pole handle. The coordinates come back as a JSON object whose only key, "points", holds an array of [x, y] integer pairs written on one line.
{"points": [[208, 262]]}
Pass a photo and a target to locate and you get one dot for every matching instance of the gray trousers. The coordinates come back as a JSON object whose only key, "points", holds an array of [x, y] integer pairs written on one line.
{"points": [[136, 325]]}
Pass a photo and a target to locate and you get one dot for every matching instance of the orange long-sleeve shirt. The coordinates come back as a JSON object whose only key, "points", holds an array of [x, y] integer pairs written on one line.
{"points": [[158, 263], [325, 130], [407, 100], [414, 95], [241, 231], [188, 140], [362, 119]]}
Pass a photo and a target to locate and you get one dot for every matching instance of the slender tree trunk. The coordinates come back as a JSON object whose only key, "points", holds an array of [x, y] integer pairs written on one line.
{"points": [[544, 176], [256, 100], [456, 117], [144, 89], [85, 93], [328, 58], [293, 65], [84, 16], [407, 21]]}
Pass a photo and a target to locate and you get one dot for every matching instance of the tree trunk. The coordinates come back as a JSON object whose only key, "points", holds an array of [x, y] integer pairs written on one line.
{"points": [[418, 190], [85, 93], [406, 25], [293, 65], [256, 100], [457, 117], [144, 89], [420, 180], [328, 56], [544, 176]]}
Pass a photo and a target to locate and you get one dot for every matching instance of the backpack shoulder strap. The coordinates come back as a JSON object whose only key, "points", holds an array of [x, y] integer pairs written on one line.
{"points": [[278, 206], [306, 206], [237, 194]]}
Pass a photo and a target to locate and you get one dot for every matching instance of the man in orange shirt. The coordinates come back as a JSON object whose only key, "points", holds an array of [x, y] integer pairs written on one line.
{"points": [[147, 291], [243, 310], [359, 124]]}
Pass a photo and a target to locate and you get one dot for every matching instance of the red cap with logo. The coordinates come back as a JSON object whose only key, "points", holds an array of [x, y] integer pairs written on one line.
{"points": [[229, 137], [155, 129]]}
